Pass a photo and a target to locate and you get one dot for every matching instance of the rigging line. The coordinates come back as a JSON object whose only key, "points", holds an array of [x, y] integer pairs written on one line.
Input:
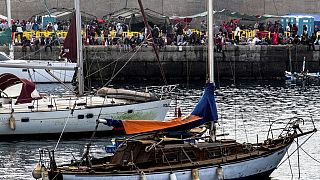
{"points": [[310, 155], [109, 64], [54, 31], [270, 125], [61, 85], [232, 72], [235, 119], [122, 67], [290, 165], [298, 156], [93, 134], [245, 129], [65, 124], [296, 149], [275, 7], [114, 69]]}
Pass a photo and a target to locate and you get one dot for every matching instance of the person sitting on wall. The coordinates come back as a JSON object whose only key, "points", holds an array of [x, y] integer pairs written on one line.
{"points": [[48, 43]]}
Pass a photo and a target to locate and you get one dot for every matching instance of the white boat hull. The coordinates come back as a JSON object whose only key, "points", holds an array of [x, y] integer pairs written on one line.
{"points": [[254, 168], [42, 121], [40, 75]]}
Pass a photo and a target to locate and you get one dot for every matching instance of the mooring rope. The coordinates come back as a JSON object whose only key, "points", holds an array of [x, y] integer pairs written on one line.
{"points": [[296, 149], [310, 155]]}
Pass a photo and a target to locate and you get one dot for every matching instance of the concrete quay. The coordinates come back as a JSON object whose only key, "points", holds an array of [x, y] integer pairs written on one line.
{"points": [[190, 62]]}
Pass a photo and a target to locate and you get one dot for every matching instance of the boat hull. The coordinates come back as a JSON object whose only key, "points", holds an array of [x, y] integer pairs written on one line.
{"points": [[259, 167], [82, 121], [40, 75]]}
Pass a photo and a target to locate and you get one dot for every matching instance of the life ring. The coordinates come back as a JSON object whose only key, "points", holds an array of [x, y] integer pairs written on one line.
{"points": [[12, 122]]}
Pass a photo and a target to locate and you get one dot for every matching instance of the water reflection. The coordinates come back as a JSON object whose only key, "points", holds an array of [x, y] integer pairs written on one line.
{"points": [[249, 109]]}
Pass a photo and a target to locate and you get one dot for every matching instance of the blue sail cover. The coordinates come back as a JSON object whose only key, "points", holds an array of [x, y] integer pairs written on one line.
{"points": [[206, 108]]}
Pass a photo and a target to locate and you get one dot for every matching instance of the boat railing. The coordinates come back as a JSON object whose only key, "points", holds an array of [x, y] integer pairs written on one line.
{"points": [[291, 126]]}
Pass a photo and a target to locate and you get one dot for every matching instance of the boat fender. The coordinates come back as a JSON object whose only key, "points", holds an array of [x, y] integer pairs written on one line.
{"points": [[220, 173], [12, 122], [143, 176], [36, 173], [44, 173], [247, 146], [195, 174], [173, 176]]}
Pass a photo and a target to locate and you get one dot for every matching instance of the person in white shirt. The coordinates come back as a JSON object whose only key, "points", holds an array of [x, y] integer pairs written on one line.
{"points": [[237, 34], [55, 26]]}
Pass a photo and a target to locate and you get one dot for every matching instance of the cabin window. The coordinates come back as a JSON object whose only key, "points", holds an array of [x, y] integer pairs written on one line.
{"points": [[25, 119], [50, 106], [80, 116], [130, 111], [89, 115], [81, 104], [24, 70], [30, 107]]}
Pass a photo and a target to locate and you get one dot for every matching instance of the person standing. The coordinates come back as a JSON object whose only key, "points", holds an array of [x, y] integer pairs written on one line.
{"points": [[237, 34], [179, 34], [48, 43]]}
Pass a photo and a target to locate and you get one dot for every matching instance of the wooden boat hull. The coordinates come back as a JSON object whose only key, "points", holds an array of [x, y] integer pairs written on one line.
{"points": [[259, 167]]}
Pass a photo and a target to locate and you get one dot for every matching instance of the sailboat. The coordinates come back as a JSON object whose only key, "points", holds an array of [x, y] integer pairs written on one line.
{"points": [[26, 114], [27, 68], [149, 154]]}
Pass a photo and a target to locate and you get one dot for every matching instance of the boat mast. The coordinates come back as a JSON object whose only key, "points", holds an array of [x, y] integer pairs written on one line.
{"points": [[210, 42], [155, 49], [211, 60], [11, 55], [79, 49]]}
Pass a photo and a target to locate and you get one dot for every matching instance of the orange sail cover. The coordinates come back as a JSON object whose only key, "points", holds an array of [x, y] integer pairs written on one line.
{"points": [[141, 126]]}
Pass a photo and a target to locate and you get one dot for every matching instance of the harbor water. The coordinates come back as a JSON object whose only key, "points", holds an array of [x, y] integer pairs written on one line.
{"points": [[245, 113]]}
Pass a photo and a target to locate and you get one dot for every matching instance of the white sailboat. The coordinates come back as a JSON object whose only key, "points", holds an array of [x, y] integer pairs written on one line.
{"points": [[24, 68], [23, 115], [171, 159]]}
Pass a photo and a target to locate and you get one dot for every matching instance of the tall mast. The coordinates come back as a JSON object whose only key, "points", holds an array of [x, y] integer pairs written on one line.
{"points": [[9, 26], [210, 42], [79, 49], [211, 60]]}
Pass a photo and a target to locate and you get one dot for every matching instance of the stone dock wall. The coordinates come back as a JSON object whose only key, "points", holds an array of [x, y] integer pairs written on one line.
{"points": [[188, 63]]}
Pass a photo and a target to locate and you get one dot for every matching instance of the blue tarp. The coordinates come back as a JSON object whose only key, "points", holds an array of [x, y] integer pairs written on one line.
{"points": [[206, 108]]}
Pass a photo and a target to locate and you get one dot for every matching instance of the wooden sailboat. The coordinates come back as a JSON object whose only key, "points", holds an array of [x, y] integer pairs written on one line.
{"points": [[157, 157], [50, 116]]}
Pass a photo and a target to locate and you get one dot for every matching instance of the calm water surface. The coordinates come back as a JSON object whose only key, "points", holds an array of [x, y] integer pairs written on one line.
{"points": [[245, 112]]}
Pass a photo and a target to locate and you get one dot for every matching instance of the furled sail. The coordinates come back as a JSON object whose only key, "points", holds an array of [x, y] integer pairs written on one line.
{"points": [[69, 50]]}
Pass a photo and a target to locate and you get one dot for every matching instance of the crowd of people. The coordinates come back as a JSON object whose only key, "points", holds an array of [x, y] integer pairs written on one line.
{"points": [[265, 34], [180, 33]]}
